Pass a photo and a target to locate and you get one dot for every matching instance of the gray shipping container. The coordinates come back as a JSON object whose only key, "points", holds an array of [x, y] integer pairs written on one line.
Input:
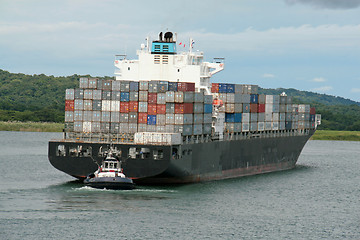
{"points": [[78, 126], [238, 107], [114, 127], [105, 127], [88, 105], [187, 129], [161, 128], [207, 128], [188, 97], [134, 96], [79, 93], [124, 127], [87, 116], [97, 94], [70, 94], [96, 116], [153, 86], [207, 118], [237, 127], [170, 97], [78, 104], [124, 117], [105, 117], [143, 85], [161, 98], [198, 97], [198, 118], [268, 126], [170, 118], [106, 95], [143, 96], [84, 82], [151, 128], [95, 127], [124, 87], [142, 127], [132, 127], [253, 117], [115, 95], [97, 105], [116, 86], [170, 107], [245, 98], [161, 119], [93, 83], [208, 99], [198, 129], [261, 117], [178, 128], [188, 118], [261, 99], [133, 117], [253, 126], [198, 107], [169, 128], [115, 117]]}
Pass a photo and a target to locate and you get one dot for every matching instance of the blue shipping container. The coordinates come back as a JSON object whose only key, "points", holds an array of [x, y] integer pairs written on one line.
{"points": [[172, 86], [208, 108], [124, 96], [254, 98], [229, 117], [312, 118], [134, 86], [237, 117], [222, 87], [151, 119], [230, 88]]}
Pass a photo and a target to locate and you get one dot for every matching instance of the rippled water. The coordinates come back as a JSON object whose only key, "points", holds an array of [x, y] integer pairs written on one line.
{"points": [[319, 199]]}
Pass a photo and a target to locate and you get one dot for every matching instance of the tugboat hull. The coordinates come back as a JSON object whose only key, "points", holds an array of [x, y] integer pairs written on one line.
{"points": [[115, 183]]}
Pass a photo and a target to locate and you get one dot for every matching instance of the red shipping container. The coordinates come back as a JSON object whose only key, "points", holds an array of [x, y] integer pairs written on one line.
{"points": [[312, 111], [186, 87], [152, 109], [133, 106], [179, 108], [188, 108], [152, 98], [261, 108], [124, 107], [69, 105], [253, 107], [161, 109], [142, 118], [214, 87]]}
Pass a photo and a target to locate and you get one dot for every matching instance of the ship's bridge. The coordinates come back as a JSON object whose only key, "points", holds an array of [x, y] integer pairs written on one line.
{"points": [[160, 61]]}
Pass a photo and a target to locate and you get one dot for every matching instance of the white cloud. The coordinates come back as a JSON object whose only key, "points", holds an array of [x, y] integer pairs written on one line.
{"points": [[319, 79], [268, 75], [355, 90], [322, 89]]}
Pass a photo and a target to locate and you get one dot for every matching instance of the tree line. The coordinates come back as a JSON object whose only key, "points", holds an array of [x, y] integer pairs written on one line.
{"points": [[41, 98]]}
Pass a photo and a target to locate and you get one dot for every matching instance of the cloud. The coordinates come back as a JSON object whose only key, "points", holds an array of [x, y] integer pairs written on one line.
{"points": [[329, 4], [319, 79], [355, 90], [268, 75], [322, 89]]}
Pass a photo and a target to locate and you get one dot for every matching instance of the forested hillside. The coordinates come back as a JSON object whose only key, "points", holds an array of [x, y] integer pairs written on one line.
{"points": [[42, 98]]}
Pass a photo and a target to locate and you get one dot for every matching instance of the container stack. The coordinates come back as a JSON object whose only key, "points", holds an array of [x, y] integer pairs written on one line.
{"points": [[248, 111], [110, 106]]}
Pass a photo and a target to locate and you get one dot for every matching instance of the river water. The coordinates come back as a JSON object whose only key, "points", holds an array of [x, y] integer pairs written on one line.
{"points": [[319, 199]]}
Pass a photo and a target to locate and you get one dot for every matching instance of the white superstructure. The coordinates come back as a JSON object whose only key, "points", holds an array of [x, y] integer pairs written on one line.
{"points": [[162, 62]]}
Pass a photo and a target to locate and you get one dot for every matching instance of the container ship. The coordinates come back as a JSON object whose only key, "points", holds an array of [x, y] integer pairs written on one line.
{"points": [[168, 123]]}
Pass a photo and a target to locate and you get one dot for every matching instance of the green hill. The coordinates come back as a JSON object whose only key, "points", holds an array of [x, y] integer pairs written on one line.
{"points": [[41, 98]]}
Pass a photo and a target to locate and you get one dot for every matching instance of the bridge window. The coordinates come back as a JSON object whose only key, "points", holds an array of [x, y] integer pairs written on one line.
{"points": [[61, 151], [157, 59]]}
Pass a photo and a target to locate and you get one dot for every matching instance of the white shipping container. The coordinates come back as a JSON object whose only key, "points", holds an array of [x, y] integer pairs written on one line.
{"points": [[269, 99], [78, 115], [156, 137], [268, 126], [245, 118], [268, 107], [275, 117], [229, 107], [230, 98], [133, 127], [268, 117], [160, 119], [78, 104], [88, 105], [179, 119], [69, 116], [143, 107], [261, 126], [86, 127], [97, 94], [160, 128], [143, 85], [245, 127], [169, 128], [161, 98], [106, 105], [143, 96], [115, 106], [142, 127], [179, 97], [170, 118], [275, 125], [88, 94]]}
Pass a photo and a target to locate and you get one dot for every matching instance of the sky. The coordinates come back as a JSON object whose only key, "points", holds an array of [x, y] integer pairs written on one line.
{"points": [[311, 45]]}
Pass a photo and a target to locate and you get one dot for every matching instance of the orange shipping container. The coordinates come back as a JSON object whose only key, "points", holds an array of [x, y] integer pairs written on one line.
{"points": [[253, 107], [152, 109], [133, 106], [69, 105]]}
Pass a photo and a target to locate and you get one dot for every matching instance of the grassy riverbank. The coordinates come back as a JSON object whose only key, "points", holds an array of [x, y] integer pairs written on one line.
{"points": [[336, 135], [31, 126]]}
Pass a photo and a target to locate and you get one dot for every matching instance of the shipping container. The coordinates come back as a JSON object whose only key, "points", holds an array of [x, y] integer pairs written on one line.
{"points": [[207, 118], [143, 107], [253, 117], [134, 86], [207, 108], [69, 116], [79, 93], [173, 86], [93, 83], [78, 126], [106, 95], [84, 82], [105, 116], [161, 109], [215, 87], [170, 128], [275, 117], [188, 108], [186, 87], [268, 116], [106, 85], [246, 108], [229, 107], [238, 107], [161, 119], [124, 96], [96, 116], [151, 119], [124, 107], [275, 125], [116, 86], [198, 118], [170, 107], [229, 117], [143, 96], [170, 118], [124, 127], [161, 98], [97, 105], [115, 106], [152, 98], [152, 109], [99, 84], [262, 99], [188, 97], [133, 96], [245, 127], [253, 126], [208, 99], [69, 105], [142, 118], [197, 129], [170, 97], [207, 128], [70, 94], [95, 127], [105, 127], [124, 86], [268, 126], [163, 86], [78, 104], [261, 126], [187, 129], [97, 94], [261, 117], [142, 127], [115, 117], [151, 128], [133, 106], [230, 98], [87, 116], [198, 108], [115, 95], [245, 118], [253, 107], [254, 98], [199, 97], [237, 117], [106, 105], [179, 119], [245, 98], [114, 127], [179, 97], [153, 87], [143, 85]]}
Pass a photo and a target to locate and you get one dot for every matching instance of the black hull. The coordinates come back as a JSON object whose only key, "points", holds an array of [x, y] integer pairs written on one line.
{"points": [[196, 161]]}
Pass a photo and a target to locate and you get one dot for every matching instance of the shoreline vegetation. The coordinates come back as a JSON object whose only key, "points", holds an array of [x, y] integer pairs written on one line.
{"points": [[58, 127]]}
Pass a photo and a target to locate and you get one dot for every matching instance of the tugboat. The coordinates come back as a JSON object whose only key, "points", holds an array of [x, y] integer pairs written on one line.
{"points": [[109, 175]]}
